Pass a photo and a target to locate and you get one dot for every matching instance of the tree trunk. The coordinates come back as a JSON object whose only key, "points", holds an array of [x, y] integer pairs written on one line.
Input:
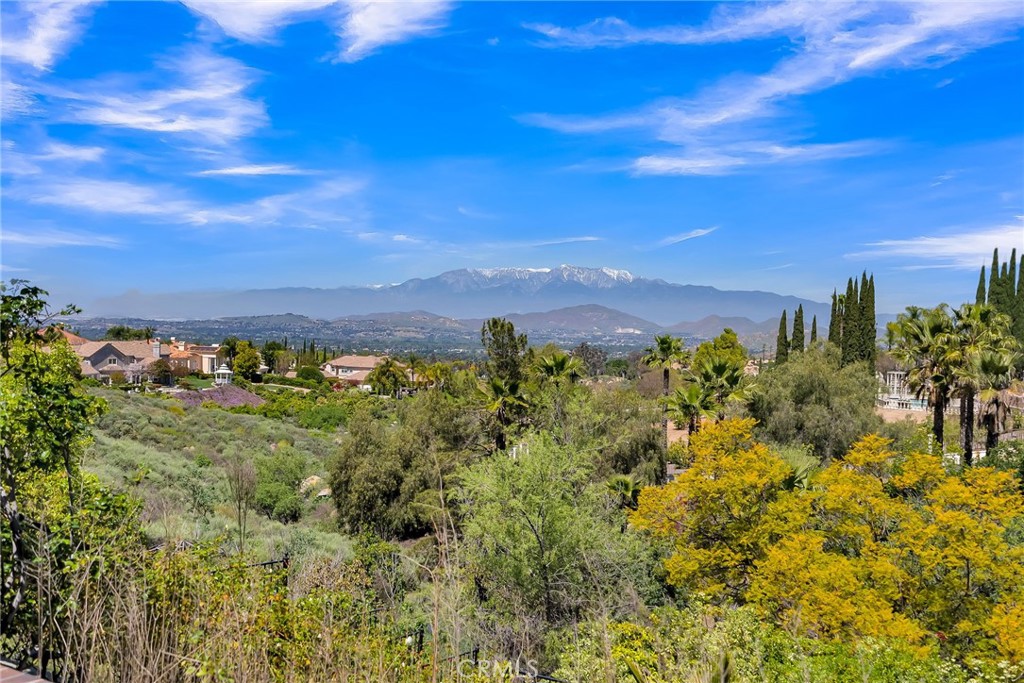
{"points": [[664, 409], [15, 581], [967, 426], [991, 430], [938, 420]]}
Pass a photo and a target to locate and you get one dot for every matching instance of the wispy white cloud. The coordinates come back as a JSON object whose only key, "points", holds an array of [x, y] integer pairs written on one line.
{"points": [[363, 26], [732, 158], [963, 249], [50, 154], [323, 204], [256, 21], [832, 43], [254, 170], [201, 94], [369, 25], [560, 240], [40, 32], [684, 236], [58, 238]]}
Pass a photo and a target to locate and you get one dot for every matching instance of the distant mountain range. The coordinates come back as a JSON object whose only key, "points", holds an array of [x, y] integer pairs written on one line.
{"points": [[480, 294]]}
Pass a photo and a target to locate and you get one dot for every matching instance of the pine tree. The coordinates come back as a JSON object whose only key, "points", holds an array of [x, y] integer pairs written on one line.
{"points": [[833, 320], [782, 343], [796, 344], [814, 330], [979, 298]]}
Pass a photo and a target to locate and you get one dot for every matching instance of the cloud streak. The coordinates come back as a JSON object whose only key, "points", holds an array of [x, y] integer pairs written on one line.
{"points": [[39, 33], [59, 238], [254, 170], [967, 249], [832, 43], [683, 237], [363, 26], [202, 95]]}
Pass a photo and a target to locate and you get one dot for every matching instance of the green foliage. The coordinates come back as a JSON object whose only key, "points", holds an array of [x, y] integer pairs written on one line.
{"points": [[726, 345], [796, 344], [126, 333], [246, 362], [387, 378], [386, 478], [814, 401], [309, 373], [782, 342], [506, 351], [277, 484]]}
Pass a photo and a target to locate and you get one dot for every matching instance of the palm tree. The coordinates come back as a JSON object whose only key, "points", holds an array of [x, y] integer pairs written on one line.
{"points": [[721, 379], [688, 404], [387, 378], [995, 370], [666, 352], [919, 338], [560, 366], [977, 330], [626, 490], [505, 401]]}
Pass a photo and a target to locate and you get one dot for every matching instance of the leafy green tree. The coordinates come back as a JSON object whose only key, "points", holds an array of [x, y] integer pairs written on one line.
{"points": [[782, 342], [277, 485], [815, 401], [161, 371], [506, 351], [45, 420], [814, 330], [592, 357], [126, 333], [796, 344], [310, 373], [726, 345], [246, 361], [979, 297], [271, 352], [387, 378], [540, 542], [666, 353]]}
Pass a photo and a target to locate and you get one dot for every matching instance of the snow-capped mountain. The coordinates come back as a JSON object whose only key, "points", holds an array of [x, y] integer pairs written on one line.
{"points": [[474, 293]]}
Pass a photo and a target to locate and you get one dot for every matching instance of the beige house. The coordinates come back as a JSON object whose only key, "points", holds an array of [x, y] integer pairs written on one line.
{"points": [[351, 369], [103, 359]]}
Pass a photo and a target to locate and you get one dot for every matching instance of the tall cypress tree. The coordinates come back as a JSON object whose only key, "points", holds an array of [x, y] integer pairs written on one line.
{"points": [[849, 332], [1010, 288], [979, 298], [782, 343], [796, 344], [833, 320], [814, 329], [994, 298], [870, 332]]}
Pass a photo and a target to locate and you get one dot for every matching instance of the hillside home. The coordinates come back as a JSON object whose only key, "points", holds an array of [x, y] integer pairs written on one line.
{"points": [[351, 370], [101, 360]]}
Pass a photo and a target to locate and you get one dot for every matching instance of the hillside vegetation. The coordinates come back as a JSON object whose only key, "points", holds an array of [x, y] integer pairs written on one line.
{"points": [[495, 522]]}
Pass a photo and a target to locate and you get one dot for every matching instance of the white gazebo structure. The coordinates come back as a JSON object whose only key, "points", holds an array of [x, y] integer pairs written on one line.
{"points": [[222, 375]]}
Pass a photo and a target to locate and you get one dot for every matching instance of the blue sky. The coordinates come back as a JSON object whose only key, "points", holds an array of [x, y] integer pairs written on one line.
{"points": [[784, 146]]}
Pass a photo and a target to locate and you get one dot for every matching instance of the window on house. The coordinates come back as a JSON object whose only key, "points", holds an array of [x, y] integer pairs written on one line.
{"points": [[112, 361]]}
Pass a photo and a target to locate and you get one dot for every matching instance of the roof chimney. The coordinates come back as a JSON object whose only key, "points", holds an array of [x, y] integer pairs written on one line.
{"points": [[156, 348]]}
